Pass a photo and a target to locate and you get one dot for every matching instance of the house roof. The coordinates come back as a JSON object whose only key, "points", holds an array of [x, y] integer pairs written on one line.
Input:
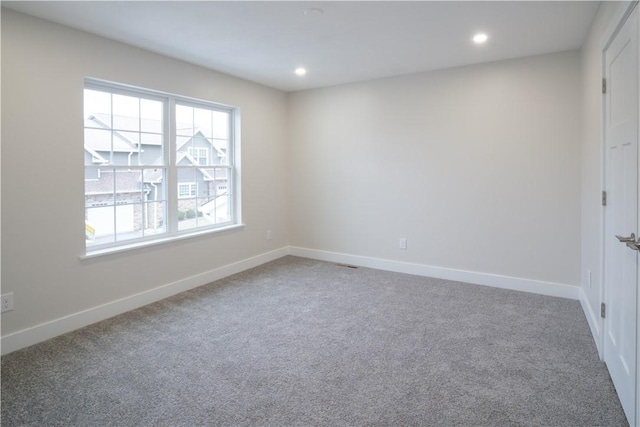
{"points": [[220, 145], [100, 140], [207, 173], [127, 124], [150, 130], [153, 176], [97, 158], [98, 137]]}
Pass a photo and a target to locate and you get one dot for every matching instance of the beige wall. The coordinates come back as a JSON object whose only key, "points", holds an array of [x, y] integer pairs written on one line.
{"points": [[478, 167], [481, 168], [43, 67]]}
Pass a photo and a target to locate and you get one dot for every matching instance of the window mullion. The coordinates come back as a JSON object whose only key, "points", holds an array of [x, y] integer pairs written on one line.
{"points": [[233, 184], [171, 186]]}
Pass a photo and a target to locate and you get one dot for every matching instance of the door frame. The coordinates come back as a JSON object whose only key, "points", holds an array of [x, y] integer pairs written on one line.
{"points": [[617, 22]]}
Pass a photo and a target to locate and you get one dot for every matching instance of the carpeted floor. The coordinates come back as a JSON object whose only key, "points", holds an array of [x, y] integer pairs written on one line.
{"points": [[302, 342]]}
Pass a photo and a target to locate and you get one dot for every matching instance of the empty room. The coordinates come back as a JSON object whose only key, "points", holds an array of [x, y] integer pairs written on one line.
{"points": [[319, 213]]}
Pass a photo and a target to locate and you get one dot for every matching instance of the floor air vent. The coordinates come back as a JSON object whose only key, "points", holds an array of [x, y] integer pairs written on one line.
{"points": [[347, 266]]}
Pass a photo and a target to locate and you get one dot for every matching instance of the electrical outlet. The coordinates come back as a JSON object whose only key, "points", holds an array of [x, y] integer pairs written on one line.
{"points": [[402, 243], [268, 234], [6, 302]]}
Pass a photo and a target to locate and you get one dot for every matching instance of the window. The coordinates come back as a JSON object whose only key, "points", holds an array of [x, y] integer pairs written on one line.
{"points": [[186, 190], [154, 166], [200, 155]]}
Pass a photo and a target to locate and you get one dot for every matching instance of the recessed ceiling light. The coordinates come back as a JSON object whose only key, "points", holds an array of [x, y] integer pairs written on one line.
{"points": [[313, 11], [301, 71], [480, 38]]}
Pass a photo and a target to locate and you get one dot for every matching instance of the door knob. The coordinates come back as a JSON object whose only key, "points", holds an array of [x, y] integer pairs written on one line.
{"points": [[630, 239], [634, 245]]}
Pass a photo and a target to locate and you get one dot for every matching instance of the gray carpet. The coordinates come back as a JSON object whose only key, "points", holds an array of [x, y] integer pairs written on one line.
{"points": [[302, 342]]}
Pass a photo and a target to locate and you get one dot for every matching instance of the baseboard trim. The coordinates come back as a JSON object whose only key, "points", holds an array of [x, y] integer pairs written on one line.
{"points": [[594, 322], [486, 279], [42, 332]]}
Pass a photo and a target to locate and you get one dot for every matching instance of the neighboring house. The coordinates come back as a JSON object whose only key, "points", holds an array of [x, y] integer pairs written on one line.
{"points": [[140, 194]]}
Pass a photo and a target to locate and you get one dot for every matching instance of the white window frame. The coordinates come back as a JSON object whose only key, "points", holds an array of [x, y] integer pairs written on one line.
{"points": [[192, 190], [172, 232]]}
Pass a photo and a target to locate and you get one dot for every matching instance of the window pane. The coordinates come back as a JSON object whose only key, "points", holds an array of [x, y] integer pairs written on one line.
{"points": [[183, 190], [126, 112], [123, 123], [199, 155], [186, 182], [130, 152], [187, 214], [151, 116], [186, 190], [223, 208], [97, 146], [203, 122], [154, 210], [206, 186], [220, 150], [151, 145], [220, 125], [154, 218], [214, 195], [206, 212], [185, 136], [91, 174], [99, 121], [183, 144], [128, 221], [207, 143], [132, 139], [98, 191], [129, 194], [222, 176], [184, 120], [154, 139], [153, 185], [128, 186], [99, 225], [106, 147], [223, 194], [97, 108]]}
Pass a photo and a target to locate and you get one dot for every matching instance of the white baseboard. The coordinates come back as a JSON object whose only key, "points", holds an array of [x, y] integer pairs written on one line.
{"points": [[594, 322], [53, 328], [42, 332], [494, 280]]}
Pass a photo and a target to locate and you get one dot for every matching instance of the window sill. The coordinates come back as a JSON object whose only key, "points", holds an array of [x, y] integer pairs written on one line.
{"points": [[139, 245]]}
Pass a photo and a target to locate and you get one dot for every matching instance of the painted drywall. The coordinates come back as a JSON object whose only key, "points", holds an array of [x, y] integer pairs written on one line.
{"points": [[43, 67], [478, 167], [591, 159]]}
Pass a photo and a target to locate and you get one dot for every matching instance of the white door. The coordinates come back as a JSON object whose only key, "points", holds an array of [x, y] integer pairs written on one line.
{"points": [[621, 214]]}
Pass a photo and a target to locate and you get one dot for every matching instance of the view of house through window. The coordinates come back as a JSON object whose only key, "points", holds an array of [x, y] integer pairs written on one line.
{"points": [[142, 181]]}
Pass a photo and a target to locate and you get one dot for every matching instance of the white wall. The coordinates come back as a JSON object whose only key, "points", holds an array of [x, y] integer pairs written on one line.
{"points": [[478, 167], [43, 67], [607, 18]]}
